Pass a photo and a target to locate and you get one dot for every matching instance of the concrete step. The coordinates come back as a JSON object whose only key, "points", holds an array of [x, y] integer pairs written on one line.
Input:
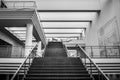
{"points": [[58, 78]]}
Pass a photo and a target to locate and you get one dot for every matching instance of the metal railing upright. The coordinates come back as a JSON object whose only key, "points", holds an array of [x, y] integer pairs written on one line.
{"points": [[103, 51], [86, 59], [66, 50], [25, 65]]}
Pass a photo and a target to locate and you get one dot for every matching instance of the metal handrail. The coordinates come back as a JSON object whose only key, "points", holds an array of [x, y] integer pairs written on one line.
{"points": [[93, 63], [66, 50], [100, 46], [104, 49], [44, 51], [15, 74]]}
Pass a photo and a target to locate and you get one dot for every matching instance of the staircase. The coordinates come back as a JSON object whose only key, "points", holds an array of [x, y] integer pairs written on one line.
{"points": [[10, 65], [55, 65], [108, 66]]}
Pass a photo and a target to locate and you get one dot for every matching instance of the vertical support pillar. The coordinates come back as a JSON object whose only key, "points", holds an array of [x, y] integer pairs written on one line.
{"points": [[7, 77], [28, 43], [84, 32], [39, 52], [80, 36]]}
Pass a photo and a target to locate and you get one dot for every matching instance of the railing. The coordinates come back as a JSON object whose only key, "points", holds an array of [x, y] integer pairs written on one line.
{"points": [[20, 4], [86, 59], [103, 51], [66, 50], [23, 66], [8, 51], [43, 54]]}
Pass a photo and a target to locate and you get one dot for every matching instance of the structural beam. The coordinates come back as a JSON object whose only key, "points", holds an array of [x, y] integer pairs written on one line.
{"points": [[28, 42], [63, 37], [14, 22], [65, 20], [68, 10], [60, 33], [64, 27], [35, 34], [38, 28], [2, 29]]}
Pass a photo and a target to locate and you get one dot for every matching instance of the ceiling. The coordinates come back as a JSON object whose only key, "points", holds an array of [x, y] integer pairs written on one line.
{"points": [[67, 19], [62, 19], [66, 25], [19, 32]]}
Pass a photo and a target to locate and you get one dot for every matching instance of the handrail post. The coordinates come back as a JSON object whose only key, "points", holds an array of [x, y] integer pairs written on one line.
{"points": [[91, 52], [106, 52], [23, 5], [90, 67], [18, 76], [100, 72], [85, 61], [29, 60], [13, 5], [24, 68], [98, 75], [119, 50]]}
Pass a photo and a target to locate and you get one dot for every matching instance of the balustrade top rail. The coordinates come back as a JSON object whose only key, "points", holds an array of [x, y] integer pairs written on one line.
{"points": [[20, 4], [30, 56], [85, 56], [99, 46]]}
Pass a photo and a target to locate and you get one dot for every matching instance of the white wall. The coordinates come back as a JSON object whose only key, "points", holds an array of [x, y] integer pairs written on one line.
{"points": [[108, 20]]}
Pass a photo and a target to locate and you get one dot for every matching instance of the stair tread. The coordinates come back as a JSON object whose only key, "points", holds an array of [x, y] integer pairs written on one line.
{"points": [[58, 78], [57, 66], [57, 74]]}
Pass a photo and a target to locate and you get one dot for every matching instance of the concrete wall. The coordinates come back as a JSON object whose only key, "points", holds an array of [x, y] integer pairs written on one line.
{"points": [[105, 29], [109, 13], [17, 49]]}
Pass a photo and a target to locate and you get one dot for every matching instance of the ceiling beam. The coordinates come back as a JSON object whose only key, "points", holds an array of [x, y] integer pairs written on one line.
{"points": [[64, 27], [61, 33], [18, 33], [35, 34], [65, 20], [68, 10], [63, 37], [17, 30], [2, 29]]}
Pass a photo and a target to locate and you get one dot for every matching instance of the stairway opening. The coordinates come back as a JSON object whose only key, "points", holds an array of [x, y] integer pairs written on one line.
{"points": [[55, 65]]}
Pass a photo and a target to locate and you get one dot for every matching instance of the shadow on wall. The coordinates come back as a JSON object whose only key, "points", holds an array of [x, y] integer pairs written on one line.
{"points": [[5, 49]]}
